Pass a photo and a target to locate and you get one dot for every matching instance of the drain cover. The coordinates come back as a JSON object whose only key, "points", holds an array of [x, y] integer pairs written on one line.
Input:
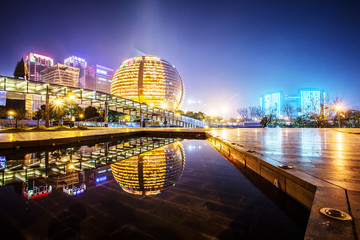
{"points": [[335, 213], [286, 166]]}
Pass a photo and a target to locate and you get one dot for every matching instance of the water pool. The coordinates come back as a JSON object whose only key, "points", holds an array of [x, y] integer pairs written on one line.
{"points": [[144, 188]]}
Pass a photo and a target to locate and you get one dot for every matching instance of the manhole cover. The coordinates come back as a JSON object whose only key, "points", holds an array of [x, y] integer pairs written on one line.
{"points": [[335, 213], [286, 166]]}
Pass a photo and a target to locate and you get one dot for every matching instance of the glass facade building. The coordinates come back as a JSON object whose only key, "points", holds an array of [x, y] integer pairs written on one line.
{"points": [[98, 78], [80, 63], [272, 103], [61, 74], [151, 80], [36, 63], [151, 172], [310, 100], [307, 101]]}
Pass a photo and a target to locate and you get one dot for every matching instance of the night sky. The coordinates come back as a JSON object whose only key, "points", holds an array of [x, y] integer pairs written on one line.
{"points": [[227, 52]]}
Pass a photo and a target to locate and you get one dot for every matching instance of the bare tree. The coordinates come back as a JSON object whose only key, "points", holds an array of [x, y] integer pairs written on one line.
{"points": [[289, 110], [244, 113], [320, 113]]}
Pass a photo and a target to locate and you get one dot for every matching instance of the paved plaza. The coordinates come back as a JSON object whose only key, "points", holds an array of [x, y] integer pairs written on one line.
{"points": [[327, 154]]}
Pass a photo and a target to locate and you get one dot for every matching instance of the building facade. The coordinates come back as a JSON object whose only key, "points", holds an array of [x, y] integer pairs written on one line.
{"points": [[80, 63], [151, 80], [310, 100], [36, 63], [307, 101], [272, 103], [61, 74], [98, 78]]}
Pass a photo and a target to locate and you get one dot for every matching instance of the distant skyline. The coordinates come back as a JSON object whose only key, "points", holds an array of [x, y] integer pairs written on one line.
{"points": [[228, 53]]}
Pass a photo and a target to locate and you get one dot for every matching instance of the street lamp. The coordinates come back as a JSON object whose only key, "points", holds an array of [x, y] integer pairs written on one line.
{"points": [[57, 106], [338, 109], [11, 113], [81, 116], [71, 99]]}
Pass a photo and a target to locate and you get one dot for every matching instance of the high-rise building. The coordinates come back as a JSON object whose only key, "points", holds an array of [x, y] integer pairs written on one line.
{"points": [[80, 63], [98, 78], [61, 74], [310, 100], [36, 63], [272, 103]]}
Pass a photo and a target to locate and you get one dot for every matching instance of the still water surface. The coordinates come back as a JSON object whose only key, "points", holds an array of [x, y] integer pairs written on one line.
{"points": [[171, 190]]}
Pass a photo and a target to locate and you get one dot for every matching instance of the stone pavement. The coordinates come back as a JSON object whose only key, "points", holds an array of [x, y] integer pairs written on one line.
{"points": [[327, 154], [329, 159]]}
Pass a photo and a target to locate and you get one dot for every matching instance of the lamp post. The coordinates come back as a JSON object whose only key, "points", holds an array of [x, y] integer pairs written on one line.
{"points": [[81, 116], [11, 115], [58, 104], [338, 109], [71, 99]]}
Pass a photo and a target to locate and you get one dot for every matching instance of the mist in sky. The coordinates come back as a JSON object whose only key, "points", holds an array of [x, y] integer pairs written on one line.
{"points": [[227, 52]]}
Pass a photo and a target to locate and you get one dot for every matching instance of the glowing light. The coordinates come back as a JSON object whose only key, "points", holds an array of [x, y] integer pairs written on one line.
{"points": [[58, 102], [42, 56], [151, 104], [100, 71], [71, 166], [338, 107], [213, 112], [11, 113], [72, 97], [81, 115], [101, 179], [224, 110]]}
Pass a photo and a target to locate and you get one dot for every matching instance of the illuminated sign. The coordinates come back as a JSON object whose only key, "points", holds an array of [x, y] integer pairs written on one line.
{"points": [[101, 179], [100, 71], [42, 56]]}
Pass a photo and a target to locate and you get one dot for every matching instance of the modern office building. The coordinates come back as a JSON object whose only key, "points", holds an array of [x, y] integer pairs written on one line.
{"points": [[98, 78], [36, 63], [61, 74], [80, 63], [152, 172], [150, 80], [273, 103], [308, 100]]}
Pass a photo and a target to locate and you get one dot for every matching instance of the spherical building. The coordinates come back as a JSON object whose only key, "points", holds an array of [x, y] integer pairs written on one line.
{"points": [[151, 172], [151, 80]]}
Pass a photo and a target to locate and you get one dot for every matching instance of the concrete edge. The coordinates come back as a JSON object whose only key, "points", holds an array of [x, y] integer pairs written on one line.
{"points": [[310, 191]]}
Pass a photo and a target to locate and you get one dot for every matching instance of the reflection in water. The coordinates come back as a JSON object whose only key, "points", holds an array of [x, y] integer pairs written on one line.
{"points": [[273, 141], [151, 172], [310, 143]]}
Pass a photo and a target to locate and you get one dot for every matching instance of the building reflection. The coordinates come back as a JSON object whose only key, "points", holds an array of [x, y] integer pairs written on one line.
{"points": [[310, 143], [152, 172]]}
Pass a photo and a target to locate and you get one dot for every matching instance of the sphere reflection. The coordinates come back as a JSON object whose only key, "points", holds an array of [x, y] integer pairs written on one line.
{"points": [[151, 172]]}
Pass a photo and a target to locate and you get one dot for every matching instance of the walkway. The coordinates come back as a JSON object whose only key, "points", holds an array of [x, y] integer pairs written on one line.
{"points": [[329, 159]]}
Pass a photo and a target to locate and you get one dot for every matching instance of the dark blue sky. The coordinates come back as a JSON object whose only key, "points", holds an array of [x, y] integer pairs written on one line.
{"points": [[228, 52]]}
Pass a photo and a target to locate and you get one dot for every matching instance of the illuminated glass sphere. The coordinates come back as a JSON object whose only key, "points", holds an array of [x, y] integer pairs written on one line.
{"points": [[151, 80], [151, 172]]}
